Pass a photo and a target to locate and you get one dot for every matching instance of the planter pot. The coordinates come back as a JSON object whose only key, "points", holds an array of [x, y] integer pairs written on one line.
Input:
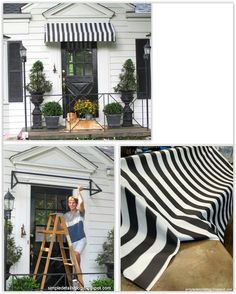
{"points": [[110, 269], [127, 98], [88, 116], [37, 99], [52, 122], [113, 120]]}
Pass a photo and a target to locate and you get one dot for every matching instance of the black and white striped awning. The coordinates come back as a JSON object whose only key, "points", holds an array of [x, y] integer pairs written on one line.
{"points": [[80, 32], [180, 194]]}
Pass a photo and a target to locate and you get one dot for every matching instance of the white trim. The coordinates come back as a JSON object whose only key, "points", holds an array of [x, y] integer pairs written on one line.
{"points": [[17, 16], [52, 12], [21, 159]]}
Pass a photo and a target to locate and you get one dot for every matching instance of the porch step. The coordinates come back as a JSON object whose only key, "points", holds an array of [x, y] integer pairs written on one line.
{"points": [[133, 133]]}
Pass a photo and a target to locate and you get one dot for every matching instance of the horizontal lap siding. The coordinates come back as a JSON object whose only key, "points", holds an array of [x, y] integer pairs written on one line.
{"points": [[33, 40]]}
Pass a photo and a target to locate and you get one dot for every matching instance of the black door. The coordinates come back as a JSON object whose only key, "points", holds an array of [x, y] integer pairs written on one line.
{"points": [[43, 202], [79, 70]]}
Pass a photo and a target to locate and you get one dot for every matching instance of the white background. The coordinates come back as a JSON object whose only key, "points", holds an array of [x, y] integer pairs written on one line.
{"points": [[192, 53]]}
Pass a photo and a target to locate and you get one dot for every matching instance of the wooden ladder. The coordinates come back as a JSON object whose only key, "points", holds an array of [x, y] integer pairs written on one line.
{"points": [[57, 229]]}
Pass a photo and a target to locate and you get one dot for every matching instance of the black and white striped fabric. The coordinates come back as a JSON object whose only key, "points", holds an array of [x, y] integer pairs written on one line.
{"points": [[80, 32], [175, 195]]}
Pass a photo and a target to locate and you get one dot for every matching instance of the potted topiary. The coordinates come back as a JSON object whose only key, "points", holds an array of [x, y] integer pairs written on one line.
{"points": [[107, 256], [127, 86], [52, 112], [14, 252], [113, 112], [37, 86]]}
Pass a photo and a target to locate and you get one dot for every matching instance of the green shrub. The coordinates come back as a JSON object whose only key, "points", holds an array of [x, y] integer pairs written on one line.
{"points": [[127, 77], [107, 256], [52, 108], [113, 108], [38, 82], [13, 252], [24, 284], [103, 285]]}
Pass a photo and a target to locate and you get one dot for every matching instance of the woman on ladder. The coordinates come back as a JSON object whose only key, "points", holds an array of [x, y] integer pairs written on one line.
{"points": [[75, 224]]}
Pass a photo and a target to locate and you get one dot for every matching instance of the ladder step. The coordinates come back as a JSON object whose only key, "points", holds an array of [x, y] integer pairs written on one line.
{"points": [[45, 249], [59, 232], [53, 258], [70, 264]]}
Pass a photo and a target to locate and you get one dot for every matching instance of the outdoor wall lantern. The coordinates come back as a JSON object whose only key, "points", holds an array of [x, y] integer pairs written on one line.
{"points": [[108, 169], [147, 50], [23, 60], [146, 55], [8, 205], [23, 51], [54, 68]]}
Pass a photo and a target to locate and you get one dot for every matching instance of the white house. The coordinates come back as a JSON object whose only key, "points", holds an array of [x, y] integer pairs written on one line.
{"points": [[82, 46], [40, 178]]}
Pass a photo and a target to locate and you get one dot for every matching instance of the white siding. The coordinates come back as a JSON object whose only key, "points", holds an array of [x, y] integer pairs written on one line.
{"points": [[111, 56]]}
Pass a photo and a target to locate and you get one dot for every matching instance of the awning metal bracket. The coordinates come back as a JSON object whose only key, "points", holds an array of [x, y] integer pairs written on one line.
{"points": [[92, 187]]}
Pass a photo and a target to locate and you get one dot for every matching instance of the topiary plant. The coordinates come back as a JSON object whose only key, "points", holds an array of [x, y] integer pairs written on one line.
{"points": [[13, 252], [127, 77], [52, 108], [38, 83], [113, 108], [107, 256], [24, 284]]}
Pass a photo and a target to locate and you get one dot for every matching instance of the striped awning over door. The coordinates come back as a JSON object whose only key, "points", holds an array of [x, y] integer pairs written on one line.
{"points": [[172, 196], [79, 32]]}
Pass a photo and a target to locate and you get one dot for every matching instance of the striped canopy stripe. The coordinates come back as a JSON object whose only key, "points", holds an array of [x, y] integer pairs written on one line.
{"points": [[80, 32], [167, 197]]}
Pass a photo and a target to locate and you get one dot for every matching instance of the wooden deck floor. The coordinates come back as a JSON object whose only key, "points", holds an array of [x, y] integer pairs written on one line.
{"points": [[123, 133]]}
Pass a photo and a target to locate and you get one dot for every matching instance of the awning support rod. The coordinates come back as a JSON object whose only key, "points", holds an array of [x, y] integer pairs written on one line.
{"points": [[93, 188]]}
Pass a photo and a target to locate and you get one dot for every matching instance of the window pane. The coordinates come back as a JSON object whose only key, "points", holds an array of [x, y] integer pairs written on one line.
{"points": [[69, 62], [88, 69], [51, 203], [79, 69], [79, 56], [40, 217], [88, 56], [39, 203]]}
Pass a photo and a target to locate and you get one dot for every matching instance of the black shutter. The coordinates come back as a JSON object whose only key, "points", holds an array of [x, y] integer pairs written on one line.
{"points": [[15, 88], [143, 81]]}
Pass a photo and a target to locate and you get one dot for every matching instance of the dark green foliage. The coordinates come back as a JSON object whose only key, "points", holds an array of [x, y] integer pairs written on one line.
{"points": [[127, 78], [103, 285], [24, 284], [38, 83], [13, 252], [52, 108], [107, 256], [113, 108]]}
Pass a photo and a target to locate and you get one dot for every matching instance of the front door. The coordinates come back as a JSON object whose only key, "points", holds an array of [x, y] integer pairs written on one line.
{"points": [[79, 70], [43, 202]]}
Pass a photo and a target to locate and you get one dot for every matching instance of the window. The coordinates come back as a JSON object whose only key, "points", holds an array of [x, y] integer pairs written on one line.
{"points": [[15, 87], [143, 74]]}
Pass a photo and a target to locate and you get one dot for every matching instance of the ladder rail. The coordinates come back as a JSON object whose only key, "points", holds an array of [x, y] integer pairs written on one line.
{"points": [[56, 228]]}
